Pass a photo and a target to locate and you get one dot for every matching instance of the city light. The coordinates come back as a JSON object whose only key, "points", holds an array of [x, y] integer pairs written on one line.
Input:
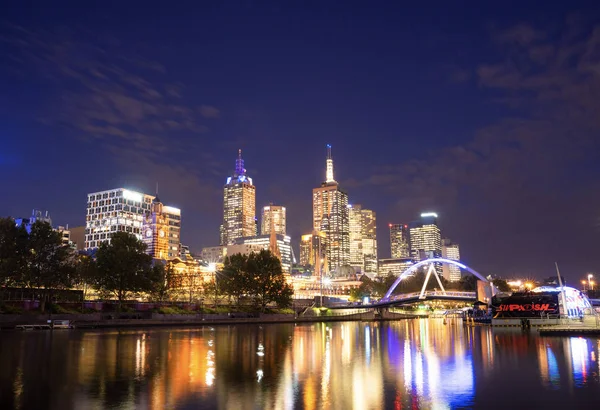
{"points": [[134, 196], [429, 214]]}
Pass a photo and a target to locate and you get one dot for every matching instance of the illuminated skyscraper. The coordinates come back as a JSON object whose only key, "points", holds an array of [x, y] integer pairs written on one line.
{"points": [[239, 205], [278, 215], [123, 210], [330, 215], [363, 239], [399, 241], [425, 239], [451, 251]]}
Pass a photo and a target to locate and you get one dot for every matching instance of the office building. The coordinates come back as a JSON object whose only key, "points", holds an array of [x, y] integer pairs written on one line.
{"points": [[450, 251], [239, 205], [425, 239], [330, 215], [363, 240], [394, 266], [251, 244], [399, 241], [276, 214], [312, 249], [124, 210]]}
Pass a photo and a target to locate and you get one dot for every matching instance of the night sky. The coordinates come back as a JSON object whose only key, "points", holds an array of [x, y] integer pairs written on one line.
{"points": [[489, 116]]}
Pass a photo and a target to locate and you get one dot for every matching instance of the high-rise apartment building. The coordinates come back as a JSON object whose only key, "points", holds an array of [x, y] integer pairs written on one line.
{"points": [[161, 231], [425, 239], [451, 251], [399, 241], [277, 214], [123, 210], [239, 205], [312, 249], [330, 215], [363, 239]]}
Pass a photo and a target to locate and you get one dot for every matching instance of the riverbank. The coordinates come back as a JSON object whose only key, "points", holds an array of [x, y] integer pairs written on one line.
{"points": [[99, 321]]}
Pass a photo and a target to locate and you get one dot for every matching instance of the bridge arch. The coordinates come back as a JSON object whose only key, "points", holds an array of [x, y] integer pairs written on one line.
{"points": [[430, 261]]}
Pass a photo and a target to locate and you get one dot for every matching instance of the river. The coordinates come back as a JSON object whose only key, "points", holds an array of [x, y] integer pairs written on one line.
{"points": [[411, 364]]}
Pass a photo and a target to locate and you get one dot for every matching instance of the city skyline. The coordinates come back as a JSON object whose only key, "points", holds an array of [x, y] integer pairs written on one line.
{"points": [[481, 119]]}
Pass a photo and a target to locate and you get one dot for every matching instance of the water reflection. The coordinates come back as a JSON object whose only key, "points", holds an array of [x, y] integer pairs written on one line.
{"points": [[401, 365]]}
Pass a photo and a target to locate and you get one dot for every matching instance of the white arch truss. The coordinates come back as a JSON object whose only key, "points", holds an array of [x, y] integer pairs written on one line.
{"points": [[431, 271]]}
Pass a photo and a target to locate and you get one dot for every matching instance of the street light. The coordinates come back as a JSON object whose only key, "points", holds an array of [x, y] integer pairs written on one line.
{"points": [[590, 276], [583, 282]]}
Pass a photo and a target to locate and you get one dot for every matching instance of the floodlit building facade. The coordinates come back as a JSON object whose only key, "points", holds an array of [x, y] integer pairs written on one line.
{"points": [[363, 239], [451, 251], [399, 241], [330, 215], [275, 213], [239, 205], [425, 239]]}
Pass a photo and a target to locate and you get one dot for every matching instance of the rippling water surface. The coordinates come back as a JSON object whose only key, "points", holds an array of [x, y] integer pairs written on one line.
{"points": [[416, 364]]}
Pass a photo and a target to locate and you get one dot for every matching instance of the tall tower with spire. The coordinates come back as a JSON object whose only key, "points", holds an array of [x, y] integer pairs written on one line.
{"points": [[330, 216], [239, 205]]}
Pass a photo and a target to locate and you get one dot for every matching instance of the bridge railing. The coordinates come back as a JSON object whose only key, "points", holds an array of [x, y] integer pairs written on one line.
{"points": [[430, 293]]}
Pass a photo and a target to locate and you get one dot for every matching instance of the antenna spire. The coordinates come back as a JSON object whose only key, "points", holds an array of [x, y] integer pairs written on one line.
{"points": [[329, 173], [239, 164]]}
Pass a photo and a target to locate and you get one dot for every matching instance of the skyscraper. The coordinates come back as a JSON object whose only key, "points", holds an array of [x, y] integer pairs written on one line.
{"points": [[277, 213], [330, 215], [450, 251], [399, 241], [425, 239], [239, 205], [363, 239]]}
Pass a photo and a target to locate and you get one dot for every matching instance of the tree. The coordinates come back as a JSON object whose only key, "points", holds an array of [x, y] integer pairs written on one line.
{"points": [[501, 285], [211, 288], [468, 283], [267, 282], [234, 279], [85, 273], [164, 281], [191, 283], [13, 252], [50, 263], [123, 267]]}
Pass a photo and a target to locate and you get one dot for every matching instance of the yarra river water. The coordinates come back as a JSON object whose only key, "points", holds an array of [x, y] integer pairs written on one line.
{"points": [[412, 364]]}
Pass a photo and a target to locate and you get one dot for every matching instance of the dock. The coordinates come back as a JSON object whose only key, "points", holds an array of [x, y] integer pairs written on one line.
{"points": [[569, 331]]}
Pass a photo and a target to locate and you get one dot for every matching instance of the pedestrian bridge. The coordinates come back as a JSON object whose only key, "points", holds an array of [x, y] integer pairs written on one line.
{"points": [[427, 295]]}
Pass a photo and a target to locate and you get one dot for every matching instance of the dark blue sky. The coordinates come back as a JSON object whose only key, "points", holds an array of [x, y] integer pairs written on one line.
{"points": [[487, 115]]}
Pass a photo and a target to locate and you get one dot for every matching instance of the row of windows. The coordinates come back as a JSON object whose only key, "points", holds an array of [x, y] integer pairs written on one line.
{"points": [[116, 201], [98, 236]]}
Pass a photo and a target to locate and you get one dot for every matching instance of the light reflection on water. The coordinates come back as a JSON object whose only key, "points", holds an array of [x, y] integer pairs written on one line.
{"points": [[401, 365]]}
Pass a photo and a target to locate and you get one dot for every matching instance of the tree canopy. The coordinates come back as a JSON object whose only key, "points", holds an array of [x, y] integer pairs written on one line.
{"points": [[123, 266]]}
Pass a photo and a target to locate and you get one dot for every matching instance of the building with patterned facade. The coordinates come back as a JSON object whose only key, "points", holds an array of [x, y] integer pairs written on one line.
{"points": [[239, 205], [330, 216], [161, 231], [394, 266], [124, 210]]}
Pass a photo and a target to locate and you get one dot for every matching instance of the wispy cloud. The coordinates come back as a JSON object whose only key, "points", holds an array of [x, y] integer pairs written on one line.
{"points": [[123, 102]]}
